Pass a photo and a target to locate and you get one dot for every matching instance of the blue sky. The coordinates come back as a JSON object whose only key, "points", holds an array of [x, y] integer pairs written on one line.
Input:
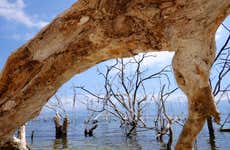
{"points": [[22, 19]]}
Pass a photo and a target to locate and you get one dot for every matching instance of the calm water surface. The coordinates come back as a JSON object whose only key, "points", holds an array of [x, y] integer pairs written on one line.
{"points": [[109, 136]]}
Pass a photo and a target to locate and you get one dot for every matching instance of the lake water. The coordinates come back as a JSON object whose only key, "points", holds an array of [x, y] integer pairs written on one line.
{"points": [[109, 136]]}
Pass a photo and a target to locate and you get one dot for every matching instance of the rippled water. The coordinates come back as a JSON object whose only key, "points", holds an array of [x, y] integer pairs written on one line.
{"points": [[109, 136]]}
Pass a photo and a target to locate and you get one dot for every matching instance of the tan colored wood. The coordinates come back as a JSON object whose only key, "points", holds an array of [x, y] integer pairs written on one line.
{"points": [[92, 31]]}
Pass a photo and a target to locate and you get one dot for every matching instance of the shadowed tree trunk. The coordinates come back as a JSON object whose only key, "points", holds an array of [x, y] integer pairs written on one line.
{"points": [[210, 128], [92, 31]]}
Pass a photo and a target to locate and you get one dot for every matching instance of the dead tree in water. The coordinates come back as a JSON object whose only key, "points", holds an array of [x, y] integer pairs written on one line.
{"points": [[227, 120], [61, 130], [124, 93], [61, 114], [219, 83], [89, 131], [163, 122]]}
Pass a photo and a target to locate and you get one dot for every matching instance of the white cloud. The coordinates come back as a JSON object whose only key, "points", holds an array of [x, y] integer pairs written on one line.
{"points": [[14, 11], [152, 60], [160, 58], [155, 59], [82, 100], [18, 37]]}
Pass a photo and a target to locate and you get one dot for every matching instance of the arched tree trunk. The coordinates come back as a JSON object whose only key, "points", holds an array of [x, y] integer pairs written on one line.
{"points": [[92, 31]]}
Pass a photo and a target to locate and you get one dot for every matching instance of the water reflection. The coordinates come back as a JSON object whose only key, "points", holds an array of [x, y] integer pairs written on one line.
{"points": [[32, 137], [109, 136], [132, 140], [166, 141], [61, 143], [165, 145]]}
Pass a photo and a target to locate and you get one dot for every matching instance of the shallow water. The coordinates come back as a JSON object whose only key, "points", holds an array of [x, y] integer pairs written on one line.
{"points": [[109, 136]]}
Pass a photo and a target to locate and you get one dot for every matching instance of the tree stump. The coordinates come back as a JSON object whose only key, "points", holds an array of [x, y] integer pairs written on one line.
{"points": [[61, 130]]}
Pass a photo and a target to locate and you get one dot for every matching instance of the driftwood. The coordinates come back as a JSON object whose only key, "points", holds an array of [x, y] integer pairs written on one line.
{"points": [[92, 31]]}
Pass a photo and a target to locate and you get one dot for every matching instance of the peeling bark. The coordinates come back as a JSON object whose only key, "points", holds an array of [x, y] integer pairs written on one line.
{"points": [[92, 31]]}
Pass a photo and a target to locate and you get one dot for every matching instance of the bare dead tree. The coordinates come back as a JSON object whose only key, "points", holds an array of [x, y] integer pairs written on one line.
{"points": [[222, 66], [227, 119], [219, 82], [163, 122], [91, 121], [124, 94]]}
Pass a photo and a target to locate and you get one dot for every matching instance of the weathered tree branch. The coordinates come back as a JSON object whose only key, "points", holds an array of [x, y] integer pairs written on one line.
{"points": [[92, 31]]}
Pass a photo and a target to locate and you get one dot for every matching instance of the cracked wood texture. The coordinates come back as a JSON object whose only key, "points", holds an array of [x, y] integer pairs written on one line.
{"points": [[92, 31]]}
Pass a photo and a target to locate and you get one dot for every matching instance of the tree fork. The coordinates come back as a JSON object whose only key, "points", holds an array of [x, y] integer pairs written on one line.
{"points": [[92, 31]]}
